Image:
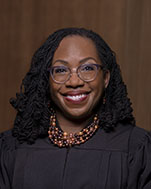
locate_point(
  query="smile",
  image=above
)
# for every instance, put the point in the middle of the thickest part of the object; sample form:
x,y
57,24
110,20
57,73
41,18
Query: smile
x,y
76,97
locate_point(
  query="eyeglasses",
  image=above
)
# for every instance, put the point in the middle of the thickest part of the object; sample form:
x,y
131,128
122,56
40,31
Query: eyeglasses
x,y
86,72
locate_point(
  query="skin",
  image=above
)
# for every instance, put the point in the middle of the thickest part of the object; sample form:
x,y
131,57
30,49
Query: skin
x,y
72,52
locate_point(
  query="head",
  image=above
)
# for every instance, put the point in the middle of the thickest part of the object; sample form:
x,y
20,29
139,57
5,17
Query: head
x,y
71,47
78,80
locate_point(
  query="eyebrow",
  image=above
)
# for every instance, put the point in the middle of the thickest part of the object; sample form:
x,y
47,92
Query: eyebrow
x,y
81,61
88,58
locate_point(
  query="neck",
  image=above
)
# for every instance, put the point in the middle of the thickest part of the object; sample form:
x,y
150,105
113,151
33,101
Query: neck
x,y
70,125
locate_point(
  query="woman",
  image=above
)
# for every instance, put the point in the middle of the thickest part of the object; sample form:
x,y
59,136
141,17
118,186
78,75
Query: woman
x,y
74,126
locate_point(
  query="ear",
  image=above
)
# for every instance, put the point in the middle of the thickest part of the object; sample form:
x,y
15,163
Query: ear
x,y
106,78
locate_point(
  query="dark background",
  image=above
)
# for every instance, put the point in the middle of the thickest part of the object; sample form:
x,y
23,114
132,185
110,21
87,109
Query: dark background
x,y
124,24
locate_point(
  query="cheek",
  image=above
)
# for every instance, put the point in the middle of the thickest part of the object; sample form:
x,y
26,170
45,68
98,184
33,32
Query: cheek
x,y
98,89
98,86
54,88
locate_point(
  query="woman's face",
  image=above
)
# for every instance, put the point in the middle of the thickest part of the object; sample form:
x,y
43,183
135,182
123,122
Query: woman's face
x,y
76,98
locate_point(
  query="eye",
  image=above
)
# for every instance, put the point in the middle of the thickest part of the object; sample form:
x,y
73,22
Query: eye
x,y
88,67
60,70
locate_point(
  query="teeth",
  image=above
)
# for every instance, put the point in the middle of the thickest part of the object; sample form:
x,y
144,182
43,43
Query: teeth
x,y
76,97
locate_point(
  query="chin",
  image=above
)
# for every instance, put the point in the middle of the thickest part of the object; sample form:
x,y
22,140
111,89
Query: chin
x,y
77,114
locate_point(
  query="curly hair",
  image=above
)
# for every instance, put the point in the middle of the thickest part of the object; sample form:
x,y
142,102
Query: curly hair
x,y
33,113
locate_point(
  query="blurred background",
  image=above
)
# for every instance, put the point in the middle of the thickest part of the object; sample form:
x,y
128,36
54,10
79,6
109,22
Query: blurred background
x,y
124,24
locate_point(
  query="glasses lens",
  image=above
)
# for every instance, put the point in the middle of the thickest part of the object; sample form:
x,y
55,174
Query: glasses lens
x,y
88,72
60,73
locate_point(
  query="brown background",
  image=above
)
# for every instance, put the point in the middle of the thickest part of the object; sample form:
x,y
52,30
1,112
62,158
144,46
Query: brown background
x,y
124,24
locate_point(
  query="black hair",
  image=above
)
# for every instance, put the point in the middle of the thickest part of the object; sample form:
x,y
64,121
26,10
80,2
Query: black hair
x,y
33,113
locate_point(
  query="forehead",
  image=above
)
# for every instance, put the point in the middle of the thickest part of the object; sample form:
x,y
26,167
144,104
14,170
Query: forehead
x,y
76,46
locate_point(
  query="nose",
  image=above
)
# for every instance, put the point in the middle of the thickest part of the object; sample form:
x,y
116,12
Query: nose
x,y
74,81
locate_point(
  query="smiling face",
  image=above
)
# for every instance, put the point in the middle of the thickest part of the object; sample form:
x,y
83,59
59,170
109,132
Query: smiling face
x,y
76,98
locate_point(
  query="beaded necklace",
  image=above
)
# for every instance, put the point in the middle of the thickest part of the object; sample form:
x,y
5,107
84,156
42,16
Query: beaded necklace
x,y
64,139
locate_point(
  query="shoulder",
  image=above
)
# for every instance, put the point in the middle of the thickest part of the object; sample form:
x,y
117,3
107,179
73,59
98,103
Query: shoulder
x,y
139,158
135,135
139,134
139,138
7,141
127,138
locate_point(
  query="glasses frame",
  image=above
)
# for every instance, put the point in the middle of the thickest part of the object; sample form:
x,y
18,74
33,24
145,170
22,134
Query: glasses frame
x,y
76,71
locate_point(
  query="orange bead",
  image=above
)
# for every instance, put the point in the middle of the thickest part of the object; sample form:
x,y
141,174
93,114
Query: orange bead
x,y
53,124
70,142
95,118
65,133
60,145
50,136
80,133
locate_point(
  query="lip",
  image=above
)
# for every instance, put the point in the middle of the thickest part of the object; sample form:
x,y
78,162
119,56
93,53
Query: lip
x,y
76,97
74,93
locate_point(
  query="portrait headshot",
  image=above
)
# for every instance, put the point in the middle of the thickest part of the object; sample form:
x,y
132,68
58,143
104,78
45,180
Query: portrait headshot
x,y
75,126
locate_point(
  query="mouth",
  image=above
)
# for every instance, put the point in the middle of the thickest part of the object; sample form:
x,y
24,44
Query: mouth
x,y
76,97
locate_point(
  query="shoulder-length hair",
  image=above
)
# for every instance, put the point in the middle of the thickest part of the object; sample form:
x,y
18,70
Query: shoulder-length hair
x,y
33,113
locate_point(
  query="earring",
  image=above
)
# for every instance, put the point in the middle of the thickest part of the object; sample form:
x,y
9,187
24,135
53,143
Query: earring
x,y
104,98
49,104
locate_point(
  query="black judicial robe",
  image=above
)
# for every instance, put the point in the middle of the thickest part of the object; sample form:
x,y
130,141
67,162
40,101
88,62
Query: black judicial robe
x,y
115,160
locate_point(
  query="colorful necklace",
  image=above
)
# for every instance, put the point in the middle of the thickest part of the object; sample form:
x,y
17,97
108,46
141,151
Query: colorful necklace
x,y
64,139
